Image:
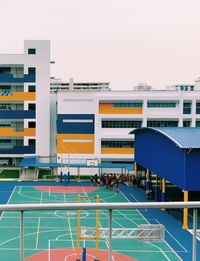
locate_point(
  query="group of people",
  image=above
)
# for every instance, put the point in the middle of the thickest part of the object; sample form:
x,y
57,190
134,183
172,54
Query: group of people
x,y
109,181
131,180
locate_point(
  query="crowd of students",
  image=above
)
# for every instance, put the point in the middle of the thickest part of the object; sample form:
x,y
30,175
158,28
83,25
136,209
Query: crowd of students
x,y
112,180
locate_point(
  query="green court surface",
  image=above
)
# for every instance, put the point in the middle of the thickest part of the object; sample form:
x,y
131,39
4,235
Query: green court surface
x,y
48,230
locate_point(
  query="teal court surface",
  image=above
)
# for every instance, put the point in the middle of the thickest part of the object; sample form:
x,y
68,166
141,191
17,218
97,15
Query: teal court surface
x,y
52,235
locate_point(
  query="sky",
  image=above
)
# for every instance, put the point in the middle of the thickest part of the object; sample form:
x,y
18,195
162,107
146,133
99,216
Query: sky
x,y
124,42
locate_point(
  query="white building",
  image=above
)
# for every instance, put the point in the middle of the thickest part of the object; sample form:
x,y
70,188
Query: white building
x,y
25,103
96,124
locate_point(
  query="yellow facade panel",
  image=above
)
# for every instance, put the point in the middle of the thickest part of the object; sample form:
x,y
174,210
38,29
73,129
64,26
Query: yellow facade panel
x,y
19,96
75,143
107,108
117,151
10,132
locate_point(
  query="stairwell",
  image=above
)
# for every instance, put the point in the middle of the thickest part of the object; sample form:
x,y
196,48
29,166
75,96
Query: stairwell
x,y
29,174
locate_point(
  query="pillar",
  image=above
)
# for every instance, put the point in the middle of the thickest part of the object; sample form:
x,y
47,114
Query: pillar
x,y
147,180
135,169
185,210
163,191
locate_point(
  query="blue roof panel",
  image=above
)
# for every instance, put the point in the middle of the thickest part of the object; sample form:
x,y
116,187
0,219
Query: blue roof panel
x,y
184,137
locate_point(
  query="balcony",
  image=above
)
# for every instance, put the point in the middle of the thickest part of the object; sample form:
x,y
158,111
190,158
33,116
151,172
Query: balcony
x,y
17,114
8,78
19,150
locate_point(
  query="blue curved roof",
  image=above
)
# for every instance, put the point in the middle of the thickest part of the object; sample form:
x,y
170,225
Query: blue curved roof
x,y
183,137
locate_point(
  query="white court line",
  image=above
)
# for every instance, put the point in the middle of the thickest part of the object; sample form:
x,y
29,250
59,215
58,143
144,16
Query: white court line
x,y
8,201
38,232
185,250
173,251
136,209
70,230
160,250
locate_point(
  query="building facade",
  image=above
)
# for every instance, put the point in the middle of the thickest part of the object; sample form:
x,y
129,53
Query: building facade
x,y
25,103
96,124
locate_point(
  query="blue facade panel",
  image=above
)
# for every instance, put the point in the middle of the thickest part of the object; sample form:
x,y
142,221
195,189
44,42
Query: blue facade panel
x,y
73,125
8,78
19,150
159,154
18,114
192,169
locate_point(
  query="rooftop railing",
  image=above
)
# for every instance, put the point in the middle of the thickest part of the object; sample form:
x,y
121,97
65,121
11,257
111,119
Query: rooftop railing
x,y
195,205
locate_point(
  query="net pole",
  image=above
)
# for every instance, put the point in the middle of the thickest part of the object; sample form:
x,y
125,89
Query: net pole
x,y
97,229
79,232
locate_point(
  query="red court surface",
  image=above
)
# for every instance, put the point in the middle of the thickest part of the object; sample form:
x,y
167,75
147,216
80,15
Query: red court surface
x,y
71,255
66,189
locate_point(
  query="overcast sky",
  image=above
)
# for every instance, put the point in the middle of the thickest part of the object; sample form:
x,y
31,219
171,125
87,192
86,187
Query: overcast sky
x,y
124,42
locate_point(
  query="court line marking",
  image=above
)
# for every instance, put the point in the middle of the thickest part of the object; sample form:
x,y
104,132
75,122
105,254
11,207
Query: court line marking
x,y
174,238
8,202
70,231
38,232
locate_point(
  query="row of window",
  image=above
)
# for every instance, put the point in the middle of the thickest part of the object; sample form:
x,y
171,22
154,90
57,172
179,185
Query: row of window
x,y
117,144
187,106
127,105
121,124
161,104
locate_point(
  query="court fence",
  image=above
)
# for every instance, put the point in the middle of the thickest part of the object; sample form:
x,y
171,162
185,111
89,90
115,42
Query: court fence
x,y
110,207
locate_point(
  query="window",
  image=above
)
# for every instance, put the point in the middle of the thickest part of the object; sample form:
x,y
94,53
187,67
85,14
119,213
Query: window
x,y
31,142
31,70
116,144
31,88
197,123
31,51
186,123
162,123
121,124
5,141
32,124
161,105
31,106
187,107
127,105
198,108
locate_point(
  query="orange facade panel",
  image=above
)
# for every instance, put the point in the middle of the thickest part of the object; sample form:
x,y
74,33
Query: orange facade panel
x,y
19,96
10,132
117,151
107,108
75,143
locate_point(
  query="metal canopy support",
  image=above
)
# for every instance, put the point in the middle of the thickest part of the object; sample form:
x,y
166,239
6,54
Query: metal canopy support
x,y
21,235
194,245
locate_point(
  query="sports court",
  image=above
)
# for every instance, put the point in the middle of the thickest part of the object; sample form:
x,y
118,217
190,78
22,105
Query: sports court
x,y
52,235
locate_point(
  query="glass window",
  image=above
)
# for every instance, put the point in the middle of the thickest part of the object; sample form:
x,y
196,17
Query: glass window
x,y
187,107
198,108
31,124
31,88
121,124
162,123
31,51
186,123
31,106
161,104
197,123
117,144
127,105
31,142
31,70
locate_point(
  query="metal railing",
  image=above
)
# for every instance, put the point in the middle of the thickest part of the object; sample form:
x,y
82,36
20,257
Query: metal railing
x,y
106,206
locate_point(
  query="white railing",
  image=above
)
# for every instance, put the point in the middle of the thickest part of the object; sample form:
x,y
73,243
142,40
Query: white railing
x,y
110,207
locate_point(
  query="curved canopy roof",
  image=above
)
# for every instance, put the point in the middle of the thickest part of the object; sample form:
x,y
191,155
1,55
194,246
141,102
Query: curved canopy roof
x,y
184,137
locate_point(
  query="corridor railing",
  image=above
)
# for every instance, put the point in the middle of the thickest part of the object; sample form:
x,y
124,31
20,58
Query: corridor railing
x,y
195,205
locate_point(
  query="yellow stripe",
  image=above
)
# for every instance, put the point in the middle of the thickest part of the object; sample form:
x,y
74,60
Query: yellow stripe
x,y
12,133
185,211
19,96
117,151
